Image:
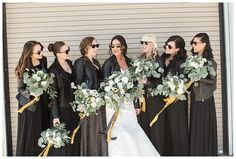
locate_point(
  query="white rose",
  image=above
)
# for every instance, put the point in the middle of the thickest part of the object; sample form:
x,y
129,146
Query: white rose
x,y
125,79
107,89
172,86
93,105
43,83
58,139
117,80
93,99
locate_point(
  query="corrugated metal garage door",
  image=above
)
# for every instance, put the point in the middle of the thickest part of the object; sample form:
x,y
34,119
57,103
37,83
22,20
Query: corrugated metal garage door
x,y
71,22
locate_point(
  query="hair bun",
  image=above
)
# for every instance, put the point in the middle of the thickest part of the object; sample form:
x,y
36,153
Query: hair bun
x,y
50,47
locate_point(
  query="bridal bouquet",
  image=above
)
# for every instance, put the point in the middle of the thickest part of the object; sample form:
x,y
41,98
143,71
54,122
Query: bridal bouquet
x,y
174,88
144,68
57,136
119,87
86,101
38,82
197,67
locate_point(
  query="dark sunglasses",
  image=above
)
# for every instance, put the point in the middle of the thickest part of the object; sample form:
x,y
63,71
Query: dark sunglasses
x,y
39,52
113,46
194,43
144,42
67,51
94,45
169,47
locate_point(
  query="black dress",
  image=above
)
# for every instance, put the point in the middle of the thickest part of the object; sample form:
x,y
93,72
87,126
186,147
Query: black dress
x,y
176,138
92,140
32,121
61,108
203,123
154,104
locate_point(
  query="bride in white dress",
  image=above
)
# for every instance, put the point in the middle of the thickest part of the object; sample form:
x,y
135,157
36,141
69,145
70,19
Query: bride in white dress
x,y
128,138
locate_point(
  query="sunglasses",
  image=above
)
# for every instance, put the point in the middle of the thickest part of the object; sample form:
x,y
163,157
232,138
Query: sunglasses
x,y
113,46
194,43
94,45
169,47
67,51
39,52
144,42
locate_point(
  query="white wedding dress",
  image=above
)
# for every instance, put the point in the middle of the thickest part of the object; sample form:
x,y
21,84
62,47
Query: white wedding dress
x,y
130,140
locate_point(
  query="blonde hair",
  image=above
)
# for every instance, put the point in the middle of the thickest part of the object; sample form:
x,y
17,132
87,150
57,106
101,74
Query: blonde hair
x,y
151,38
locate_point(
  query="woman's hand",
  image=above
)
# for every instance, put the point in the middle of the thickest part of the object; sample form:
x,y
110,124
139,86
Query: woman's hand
x,y
143,81
56,121
137,111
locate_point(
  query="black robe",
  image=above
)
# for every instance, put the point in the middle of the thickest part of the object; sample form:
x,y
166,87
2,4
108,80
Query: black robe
x,y
61,108
32,121
176,131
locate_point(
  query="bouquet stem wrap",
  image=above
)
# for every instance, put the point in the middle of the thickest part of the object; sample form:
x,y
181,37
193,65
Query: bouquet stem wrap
x,y
168,101
109,132
45,150
82,116
36,99
142,103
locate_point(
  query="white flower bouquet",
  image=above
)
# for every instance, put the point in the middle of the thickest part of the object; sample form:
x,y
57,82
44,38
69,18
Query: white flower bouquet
x,y
197,67
174,88
86,101
144,68
37,82
119,87
57,136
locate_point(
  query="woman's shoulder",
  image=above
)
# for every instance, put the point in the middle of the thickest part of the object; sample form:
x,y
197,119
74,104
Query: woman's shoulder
x,y
80,60
109,60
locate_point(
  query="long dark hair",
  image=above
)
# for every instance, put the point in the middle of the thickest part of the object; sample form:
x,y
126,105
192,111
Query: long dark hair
x,y
122,41
180,44
25,60
207,52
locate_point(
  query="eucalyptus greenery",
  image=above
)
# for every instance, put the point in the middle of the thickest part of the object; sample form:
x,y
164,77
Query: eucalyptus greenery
x,y
172,86
197,67
56,136
118,88
38,82
86,101
142,68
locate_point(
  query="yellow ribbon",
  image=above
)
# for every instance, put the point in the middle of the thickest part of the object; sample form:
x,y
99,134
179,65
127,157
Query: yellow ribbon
x,y
36,99
142,104
77,128
168,101
109,132
45,150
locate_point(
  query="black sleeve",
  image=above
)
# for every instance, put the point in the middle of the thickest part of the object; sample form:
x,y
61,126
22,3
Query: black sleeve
x,y
21,87
210,80
54,101
79,71
106,68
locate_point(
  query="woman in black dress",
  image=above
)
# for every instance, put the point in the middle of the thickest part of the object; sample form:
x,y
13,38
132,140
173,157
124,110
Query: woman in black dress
x,y
203,127
88,70
154,104
61,109
176,138
33,120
